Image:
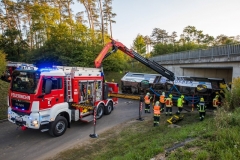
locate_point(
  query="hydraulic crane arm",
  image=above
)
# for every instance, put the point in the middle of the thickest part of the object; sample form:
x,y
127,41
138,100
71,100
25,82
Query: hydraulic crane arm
x,y
118,45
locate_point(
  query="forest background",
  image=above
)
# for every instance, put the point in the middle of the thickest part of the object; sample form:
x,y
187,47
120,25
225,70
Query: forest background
x,y
47,32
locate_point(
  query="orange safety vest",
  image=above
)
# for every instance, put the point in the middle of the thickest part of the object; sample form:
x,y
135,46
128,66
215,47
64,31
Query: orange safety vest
x,y
147,100
162,99
169,102
215,102
157,110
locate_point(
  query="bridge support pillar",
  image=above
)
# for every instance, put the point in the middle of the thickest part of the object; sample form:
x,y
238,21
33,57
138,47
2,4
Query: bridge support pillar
x,y
236,72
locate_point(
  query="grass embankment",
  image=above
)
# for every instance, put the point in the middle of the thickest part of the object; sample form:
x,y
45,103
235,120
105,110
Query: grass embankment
x,y
215,138
4,86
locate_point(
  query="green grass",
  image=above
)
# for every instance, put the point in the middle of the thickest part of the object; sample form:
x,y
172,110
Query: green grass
x,y
4,86
138,140
141,141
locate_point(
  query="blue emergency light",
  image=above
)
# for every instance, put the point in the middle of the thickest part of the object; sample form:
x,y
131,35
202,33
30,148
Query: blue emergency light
x,y
47,69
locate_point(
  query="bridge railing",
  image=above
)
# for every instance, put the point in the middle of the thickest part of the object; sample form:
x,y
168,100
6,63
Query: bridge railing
x,y
212,52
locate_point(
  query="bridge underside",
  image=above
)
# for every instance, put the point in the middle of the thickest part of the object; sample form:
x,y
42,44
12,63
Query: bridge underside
x,y
210,72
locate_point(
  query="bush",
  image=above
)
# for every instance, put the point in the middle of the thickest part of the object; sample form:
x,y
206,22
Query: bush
x,y
232,97
2,62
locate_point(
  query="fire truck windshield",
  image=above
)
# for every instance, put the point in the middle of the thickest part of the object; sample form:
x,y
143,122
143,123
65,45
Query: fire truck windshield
x,y
24,81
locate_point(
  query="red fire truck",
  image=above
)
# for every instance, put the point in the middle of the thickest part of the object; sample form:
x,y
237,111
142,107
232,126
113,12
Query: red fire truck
x,y
50,98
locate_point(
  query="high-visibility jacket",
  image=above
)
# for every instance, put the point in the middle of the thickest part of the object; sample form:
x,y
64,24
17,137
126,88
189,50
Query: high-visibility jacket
x,y
162,99
157,110
180,102
216,102
169,102
201,107
147,100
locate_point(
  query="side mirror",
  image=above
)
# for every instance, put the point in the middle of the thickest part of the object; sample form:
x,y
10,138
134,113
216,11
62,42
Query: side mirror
x,y
48,86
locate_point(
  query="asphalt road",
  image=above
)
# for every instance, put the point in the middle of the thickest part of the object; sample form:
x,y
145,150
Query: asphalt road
x,y
33,144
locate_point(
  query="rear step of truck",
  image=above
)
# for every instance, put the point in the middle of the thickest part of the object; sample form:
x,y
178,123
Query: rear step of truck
x,y
87,118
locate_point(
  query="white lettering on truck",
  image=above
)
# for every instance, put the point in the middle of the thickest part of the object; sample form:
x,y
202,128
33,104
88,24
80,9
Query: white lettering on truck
x,y
14,95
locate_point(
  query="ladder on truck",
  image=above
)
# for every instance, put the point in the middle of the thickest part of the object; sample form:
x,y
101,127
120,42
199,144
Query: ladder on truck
x,y
17,64
68,79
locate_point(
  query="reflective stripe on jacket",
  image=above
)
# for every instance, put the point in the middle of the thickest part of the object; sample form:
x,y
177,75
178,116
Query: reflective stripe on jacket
x,y
201,107
169,102
162,99
147,100
156,110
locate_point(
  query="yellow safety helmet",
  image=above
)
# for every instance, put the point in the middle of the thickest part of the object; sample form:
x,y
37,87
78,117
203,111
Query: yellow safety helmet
x,y
182,96
170,95
201,99
217,96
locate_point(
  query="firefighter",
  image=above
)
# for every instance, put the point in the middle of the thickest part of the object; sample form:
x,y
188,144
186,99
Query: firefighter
x,y
156,114
216,102
201,109
180,102
162,100
147,99
169,104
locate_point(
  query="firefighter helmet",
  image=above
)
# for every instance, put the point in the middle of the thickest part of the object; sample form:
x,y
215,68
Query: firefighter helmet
x,y
157,103
182,96
170,95
148,93
201,99
217,96
163,93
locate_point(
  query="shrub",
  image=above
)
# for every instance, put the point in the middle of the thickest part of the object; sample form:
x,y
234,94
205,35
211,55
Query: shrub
x,y
232,97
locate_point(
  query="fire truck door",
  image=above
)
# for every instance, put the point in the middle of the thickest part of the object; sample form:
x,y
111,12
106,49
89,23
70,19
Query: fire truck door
x,y
56,95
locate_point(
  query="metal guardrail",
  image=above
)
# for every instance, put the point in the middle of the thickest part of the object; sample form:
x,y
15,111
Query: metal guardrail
x,y
212,52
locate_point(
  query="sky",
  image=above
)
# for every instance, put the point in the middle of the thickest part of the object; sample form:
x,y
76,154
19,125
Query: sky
x,y
213,17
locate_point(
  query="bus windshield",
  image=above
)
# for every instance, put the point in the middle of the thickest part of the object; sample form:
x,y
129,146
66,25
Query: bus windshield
x,y
24,81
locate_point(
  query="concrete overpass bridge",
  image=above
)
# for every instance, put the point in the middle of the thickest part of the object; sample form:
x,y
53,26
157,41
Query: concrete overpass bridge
x,y
214,62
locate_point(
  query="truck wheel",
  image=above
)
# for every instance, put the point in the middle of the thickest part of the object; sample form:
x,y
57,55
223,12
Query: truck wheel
x,y
58,127
108,109
100,111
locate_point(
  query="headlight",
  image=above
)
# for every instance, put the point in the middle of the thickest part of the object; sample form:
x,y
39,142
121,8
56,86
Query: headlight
x,y
35,122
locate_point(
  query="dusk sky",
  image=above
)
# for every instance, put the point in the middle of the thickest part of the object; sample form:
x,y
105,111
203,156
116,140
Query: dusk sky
x,y
213,17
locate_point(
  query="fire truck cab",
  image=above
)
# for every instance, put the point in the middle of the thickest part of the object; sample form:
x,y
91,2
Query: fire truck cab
x,y
50,98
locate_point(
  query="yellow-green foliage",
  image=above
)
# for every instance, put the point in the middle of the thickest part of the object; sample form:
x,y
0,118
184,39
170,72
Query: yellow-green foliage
x,y
2,62
232,97
4,86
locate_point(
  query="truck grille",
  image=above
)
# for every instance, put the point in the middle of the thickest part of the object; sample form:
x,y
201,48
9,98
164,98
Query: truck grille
x,y
19,104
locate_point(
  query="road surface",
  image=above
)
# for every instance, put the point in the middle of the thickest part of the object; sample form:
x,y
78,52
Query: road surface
x,y
33,144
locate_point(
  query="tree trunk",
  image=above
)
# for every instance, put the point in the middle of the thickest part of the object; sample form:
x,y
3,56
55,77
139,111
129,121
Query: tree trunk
x,y
102,22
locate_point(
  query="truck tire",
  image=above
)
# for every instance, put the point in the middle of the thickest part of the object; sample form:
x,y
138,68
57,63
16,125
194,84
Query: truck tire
x,y
100,111
58,127
108,108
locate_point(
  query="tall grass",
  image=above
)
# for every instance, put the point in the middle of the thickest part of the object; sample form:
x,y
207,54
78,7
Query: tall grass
x,y
232,97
